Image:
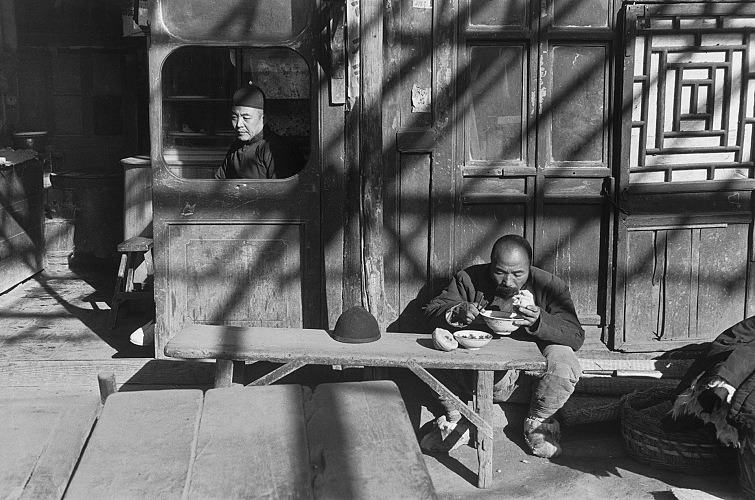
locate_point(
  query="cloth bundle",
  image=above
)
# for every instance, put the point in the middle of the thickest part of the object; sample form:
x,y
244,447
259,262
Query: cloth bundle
x,y
719,387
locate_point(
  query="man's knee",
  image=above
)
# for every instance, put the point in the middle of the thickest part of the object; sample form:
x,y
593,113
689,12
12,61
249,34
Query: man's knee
x,y
562,362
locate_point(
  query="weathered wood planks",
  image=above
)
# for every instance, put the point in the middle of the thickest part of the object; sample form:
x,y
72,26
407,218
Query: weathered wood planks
x,y
40,443
252,444
353,440
362,444
141,447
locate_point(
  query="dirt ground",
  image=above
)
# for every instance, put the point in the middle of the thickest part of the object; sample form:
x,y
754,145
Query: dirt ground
x,y
593,466
54,341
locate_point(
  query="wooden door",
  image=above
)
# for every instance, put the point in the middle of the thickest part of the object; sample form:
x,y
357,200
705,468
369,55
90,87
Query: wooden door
x,y
684,251
534,141
234,252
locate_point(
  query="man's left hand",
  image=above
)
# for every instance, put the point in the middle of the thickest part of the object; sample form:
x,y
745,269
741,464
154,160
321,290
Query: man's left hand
x,y
530,315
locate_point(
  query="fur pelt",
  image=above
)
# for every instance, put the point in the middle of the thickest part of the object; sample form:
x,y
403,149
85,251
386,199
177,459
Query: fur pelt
x,y
687,403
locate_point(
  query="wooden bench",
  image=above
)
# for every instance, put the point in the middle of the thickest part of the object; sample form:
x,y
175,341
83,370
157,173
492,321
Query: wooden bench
x,y
128,284
254,442
297,347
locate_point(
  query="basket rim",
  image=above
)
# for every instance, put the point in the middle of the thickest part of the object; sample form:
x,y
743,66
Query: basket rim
x,y
690,452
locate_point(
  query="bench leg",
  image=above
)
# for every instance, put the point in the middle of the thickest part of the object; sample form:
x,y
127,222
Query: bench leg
x,y
116,303
484,404
483,426
228,372
223,373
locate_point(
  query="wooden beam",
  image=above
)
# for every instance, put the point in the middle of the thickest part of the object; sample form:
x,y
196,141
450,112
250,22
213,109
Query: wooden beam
x,y
484,428
280,372
371,157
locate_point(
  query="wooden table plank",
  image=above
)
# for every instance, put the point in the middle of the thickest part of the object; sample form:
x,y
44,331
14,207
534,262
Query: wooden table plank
x,y
252,444
40,443
362,444
283,345
136,444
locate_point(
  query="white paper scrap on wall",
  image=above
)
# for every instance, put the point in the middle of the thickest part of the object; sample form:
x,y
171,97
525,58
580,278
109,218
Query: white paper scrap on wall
x,y
421,99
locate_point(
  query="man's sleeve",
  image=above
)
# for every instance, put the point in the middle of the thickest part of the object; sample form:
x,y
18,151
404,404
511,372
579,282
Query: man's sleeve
x,y
459,290
558,318
220,172
740,340
282,159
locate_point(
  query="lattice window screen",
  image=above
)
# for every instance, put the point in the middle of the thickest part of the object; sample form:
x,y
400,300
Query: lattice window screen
x,y
694,99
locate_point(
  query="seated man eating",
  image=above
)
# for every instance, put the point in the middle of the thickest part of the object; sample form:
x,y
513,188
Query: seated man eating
x,y
547,314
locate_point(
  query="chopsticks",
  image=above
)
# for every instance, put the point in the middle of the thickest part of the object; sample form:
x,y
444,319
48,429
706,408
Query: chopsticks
x,y
479,301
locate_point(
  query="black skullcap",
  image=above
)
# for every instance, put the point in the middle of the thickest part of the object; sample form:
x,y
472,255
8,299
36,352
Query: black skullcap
x,y
250,96
356,326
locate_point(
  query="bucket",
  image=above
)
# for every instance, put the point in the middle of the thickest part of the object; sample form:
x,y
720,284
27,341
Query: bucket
x,y
98,200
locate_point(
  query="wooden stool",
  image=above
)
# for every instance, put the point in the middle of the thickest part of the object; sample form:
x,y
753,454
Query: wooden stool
x,y
132,249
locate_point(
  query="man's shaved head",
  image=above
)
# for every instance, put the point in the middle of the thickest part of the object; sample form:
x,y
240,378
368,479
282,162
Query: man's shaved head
x,y
511,243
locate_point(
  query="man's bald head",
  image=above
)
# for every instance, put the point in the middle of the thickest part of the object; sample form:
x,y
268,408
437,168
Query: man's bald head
x,y
511,244
510,262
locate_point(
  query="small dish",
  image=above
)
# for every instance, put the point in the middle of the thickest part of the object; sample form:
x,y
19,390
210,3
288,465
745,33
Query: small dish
x,y
472,339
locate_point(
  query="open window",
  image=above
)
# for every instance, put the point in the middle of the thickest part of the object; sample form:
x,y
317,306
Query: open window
x,y
198,85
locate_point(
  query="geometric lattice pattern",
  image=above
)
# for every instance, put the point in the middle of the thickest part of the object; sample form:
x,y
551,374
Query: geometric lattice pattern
x,y
694,99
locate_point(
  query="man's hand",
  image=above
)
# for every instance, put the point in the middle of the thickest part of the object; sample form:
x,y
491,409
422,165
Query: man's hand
x,y
465,313
530,315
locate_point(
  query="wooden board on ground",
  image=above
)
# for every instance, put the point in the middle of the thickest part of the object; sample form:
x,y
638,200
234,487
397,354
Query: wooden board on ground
x,y
83,373
141,446
40,443
265,455
347,419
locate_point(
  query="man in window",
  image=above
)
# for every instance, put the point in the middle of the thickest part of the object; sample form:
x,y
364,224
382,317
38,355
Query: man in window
x,y
257,152
546,312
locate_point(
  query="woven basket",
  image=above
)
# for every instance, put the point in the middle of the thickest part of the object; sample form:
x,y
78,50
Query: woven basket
x,y
694,452
581,409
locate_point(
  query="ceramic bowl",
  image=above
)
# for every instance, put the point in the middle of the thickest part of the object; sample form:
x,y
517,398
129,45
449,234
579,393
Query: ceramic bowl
x,y
501,323
472,339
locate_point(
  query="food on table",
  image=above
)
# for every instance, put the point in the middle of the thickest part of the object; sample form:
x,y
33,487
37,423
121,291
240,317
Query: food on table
x,y
474,335
524,298
472,339
443,340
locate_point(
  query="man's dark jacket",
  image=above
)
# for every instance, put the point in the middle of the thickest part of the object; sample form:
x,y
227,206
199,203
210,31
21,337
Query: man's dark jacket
x,y
731,356
558,322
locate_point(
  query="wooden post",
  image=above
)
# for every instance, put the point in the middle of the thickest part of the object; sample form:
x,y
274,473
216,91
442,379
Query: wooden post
x,y
107,385
352,240
484,403
371,157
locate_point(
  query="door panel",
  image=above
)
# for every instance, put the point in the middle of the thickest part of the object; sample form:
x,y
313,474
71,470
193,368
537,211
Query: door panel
x,y
683,267
683,284
236,274
569,245
480,223
497,123
579,104
536,113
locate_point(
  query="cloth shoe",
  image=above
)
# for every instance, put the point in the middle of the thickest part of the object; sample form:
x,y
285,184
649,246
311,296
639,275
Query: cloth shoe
x,y
446,436
542,436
